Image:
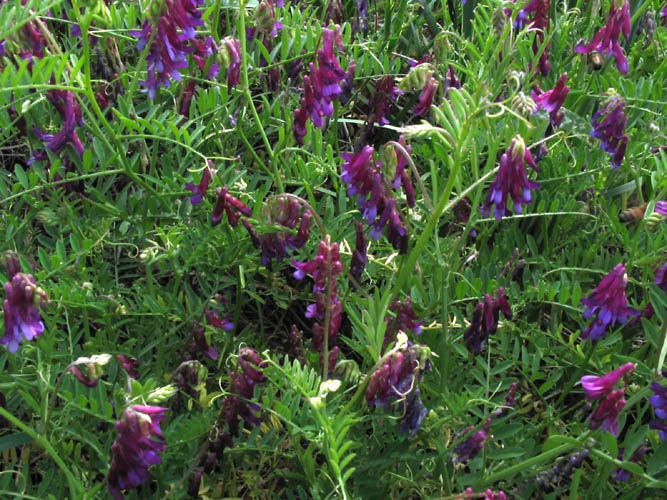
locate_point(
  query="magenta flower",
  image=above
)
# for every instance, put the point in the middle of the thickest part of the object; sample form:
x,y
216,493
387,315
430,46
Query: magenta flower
x,y
596,387
488,494
68,107
552,100
230,57
359,256
469,448
426,97
607,304
21,307
659,403
233,207
661,207
130,365
213,316
609,126
620,474
540,24
200,190
380,102
138,441
512,180
88,370
198,343
606,414
606,39
660,277
485,320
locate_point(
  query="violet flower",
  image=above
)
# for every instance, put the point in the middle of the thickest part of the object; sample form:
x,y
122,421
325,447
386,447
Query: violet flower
x,y
426,97
659,403
168,51
130,365
485,320
539,24
510,402
621,474
281,212
200,190
609,126
606,39
404,321
295,344
21,307
606,414
394,384
359,256
70,110
380,101
607,304
469,448
552,100
138,441
233,207
512,180
229,55
660,277
596,387
198,343
213,316
661,207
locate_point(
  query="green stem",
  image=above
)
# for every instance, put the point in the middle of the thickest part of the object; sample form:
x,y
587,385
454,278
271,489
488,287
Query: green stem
x,y
75,487
577,376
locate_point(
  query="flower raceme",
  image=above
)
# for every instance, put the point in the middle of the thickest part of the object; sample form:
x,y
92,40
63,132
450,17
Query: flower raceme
x,y
659,403
605,40
485,320
512,181
230,205
606,414
597,387
607,304
540,24
469,448
138,441
609,126
552,100
21,308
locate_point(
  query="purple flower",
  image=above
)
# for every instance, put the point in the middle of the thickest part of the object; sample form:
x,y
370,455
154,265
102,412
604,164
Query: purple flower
x,y
540,24
92,369
233,207
552,100
606,414
295,344
426,97
70,110
596,387
229,56
659,403
138,441
485,320
607,304
488,494
660,277
21,307
405,317
606,39
512,180
281,212
510,402
213,315
168,51
198,342
130,365
394,385
661,207
620,474
359,257
609,126
469,448
380,102
200,190
378,205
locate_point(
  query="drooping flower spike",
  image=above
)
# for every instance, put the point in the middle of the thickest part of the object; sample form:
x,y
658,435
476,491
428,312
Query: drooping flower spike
x,y
552,100
539,9
607,304
606,414
609,126
485,320
512,181
606,39
21,307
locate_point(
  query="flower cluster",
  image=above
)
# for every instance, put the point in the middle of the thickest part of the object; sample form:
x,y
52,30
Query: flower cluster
x,y
21,308
485,320
169,49
198,343
380,101
324,268
70,110
322,87
130,365
540,24
395,383
405,320
235,407
421,77
659,403
609,126
488,494
230,205
283,213
469,448
606,414
560,472
138,441
199,191
512,180
552,100
605,40
365,178
607,304
229,56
